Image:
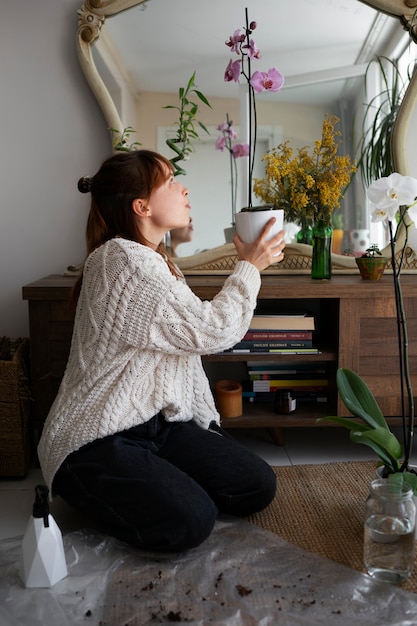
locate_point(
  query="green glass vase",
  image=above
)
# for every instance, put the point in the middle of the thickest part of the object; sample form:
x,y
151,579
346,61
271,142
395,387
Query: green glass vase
x,y
321,266
305,235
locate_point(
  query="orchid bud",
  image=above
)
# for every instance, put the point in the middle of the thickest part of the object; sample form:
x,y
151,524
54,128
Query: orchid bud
x,y
252,25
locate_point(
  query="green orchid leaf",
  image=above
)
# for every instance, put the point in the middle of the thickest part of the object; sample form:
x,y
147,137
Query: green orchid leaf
x,y
359,399
383,443
346,422
396,481
409,478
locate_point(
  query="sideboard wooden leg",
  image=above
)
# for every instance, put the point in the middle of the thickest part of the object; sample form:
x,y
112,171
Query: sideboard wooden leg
x,y
277,435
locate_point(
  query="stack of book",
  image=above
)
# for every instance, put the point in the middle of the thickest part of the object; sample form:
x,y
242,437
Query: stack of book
x,y
284,334
307,382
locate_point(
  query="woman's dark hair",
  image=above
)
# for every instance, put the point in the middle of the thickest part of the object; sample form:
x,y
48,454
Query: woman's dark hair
x,y
120,179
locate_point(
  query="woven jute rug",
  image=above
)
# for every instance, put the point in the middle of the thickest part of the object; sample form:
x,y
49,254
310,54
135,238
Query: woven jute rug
x,y
321,508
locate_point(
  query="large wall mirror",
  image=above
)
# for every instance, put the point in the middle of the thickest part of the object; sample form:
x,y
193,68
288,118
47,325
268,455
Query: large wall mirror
x,y
106,28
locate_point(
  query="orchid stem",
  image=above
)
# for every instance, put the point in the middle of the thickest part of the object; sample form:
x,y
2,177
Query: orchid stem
x,y
408,428
251,103
234,187
233,170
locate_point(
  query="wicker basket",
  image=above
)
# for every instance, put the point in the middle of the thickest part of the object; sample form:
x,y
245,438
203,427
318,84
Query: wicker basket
x,y
15,444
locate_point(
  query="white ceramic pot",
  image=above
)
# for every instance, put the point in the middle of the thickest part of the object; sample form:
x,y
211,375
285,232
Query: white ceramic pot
x,y
249,224
229,233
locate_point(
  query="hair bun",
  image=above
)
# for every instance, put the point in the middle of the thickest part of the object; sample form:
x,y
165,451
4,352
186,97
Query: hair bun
x,y
84,184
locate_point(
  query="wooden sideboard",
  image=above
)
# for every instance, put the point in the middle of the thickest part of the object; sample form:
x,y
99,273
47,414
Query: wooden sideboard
x,y
355,322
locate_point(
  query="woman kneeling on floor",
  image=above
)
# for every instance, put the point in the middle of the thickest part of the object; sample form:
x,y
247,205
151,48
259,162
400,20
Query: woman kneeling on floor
x,y
133,438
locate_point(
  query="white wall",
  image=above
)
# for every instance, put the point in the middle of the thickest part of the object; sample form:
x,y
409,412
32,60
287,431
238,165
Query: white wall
x,y
52,133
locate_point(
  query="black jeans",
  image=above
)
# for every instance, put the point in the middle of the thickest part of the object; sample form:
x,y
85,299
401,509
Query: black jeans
x,y
160,485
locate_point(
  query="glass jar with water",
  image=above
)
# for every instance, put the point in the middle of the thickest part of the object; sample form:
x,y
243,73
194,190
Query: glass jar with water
x,y
389,537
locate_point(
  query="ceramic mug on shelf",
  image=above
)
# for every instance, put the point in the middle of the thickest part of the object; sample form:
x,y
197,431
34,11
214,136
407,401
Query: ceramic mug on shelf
x,y
359,240
228,395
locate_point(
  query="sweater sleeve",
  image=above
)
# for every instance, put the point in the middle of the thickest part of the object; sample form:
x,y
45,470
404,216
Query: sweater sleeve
x,y
180,322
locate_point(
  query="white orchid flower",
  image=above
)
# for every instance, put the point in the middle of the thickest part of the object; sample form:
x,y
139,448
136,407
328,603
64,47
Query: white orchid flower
x,y
389,193
379,215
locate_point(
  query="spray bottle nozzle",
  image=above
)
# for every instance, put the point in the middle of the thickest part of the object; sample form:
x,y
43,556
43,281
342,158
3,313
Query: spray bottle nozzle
x,y
41,505
42,562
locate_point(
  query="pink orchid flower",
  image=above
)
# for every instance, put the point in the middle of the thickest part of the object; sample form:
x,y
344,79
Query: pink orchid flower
x,y
235,41
233,71
240,150
272,80
244,46
227,129
220,143
253,51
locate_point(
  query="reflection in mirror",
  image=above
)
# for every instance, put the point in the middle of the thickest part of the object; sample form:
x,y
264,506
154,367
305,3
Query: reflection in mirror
x,y
179,237
131,99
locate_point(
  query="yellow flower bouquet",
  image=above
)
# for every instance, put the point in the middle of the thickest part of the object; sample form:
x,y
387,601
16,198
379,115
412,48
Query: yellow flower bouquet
x,y
308,186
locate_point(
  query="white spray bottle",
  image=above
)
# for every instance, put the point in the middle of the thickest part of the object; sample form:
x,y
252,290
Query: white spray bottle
x,y
42,562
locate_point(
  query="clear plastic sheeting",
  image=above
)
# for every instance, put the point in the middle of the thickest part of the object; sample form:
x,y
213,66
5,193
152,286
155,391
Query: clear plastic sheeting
x,y
242,575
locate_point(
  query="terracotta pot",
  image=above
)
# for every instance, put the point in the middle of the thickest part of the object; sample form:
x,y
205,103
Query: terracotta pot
x,y
371,268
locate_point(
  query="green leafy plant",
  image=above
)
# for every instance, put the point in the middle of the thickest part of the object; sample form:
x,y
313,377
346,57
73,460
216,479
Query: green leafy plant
x,y
121,139
371,428
186,124
372,251
337,221
375,153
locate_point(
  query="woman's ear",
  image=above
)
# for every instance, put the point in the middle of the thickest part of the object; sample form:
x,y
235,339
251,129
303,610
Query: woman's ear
x,y
140,207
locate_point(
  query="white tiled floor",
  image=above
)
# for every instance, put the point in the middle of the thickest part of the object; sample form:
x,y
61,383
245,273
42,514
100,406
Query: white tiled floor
x,y
310,445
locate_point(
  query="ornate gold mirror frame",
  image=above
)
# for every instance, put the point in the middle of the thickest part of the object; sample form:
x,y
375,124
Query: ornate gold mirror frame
x,y
91,17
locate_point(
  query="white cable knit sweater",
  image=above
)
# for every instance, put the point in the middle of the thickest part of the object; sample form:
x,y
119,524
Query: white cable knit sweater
x,y
139,334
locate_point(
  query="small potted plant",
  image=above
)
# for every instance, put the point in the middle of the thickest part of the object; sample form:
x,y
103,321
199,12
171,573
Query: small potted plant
x,y
371,264
250,220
